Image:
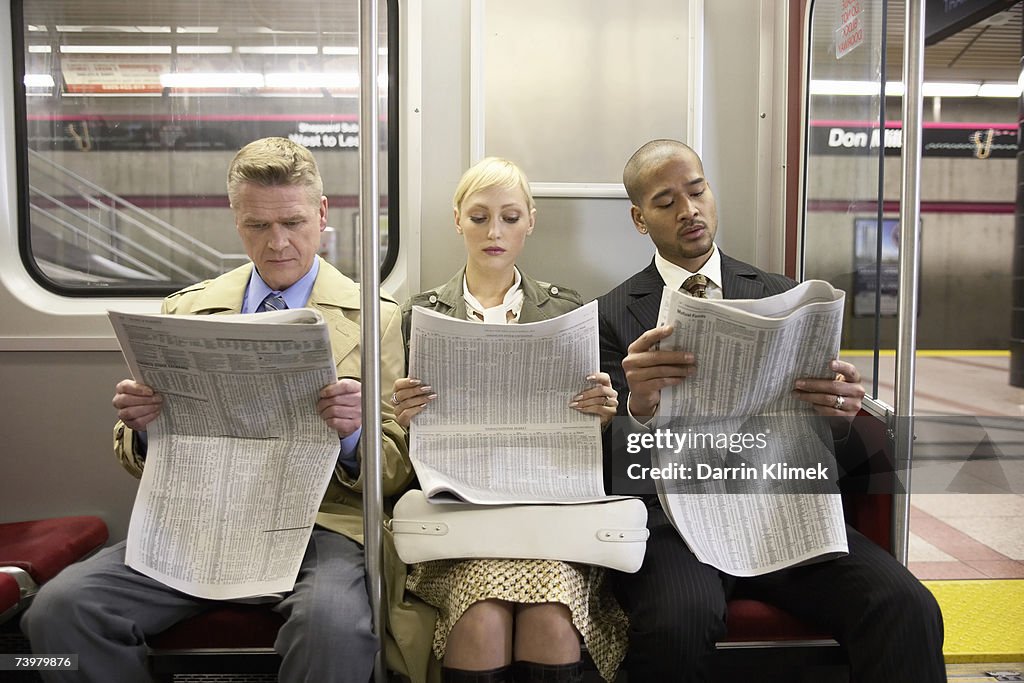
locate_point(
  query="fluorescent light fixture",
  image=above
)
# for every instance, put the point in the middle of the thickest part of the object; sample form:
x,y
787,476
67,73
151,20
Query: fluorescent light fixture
x,y
346,50
38,81
309,79
999,90
111,94
278,50
263,30
950,89
71,28
36,27
116,49
204,49
826,87
212,80
936,89
196,29
39,49
894,89
307,94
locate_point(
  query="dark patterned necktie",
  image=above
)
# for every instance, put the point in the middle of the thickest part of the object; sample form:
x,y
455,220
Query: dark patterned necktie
x,y
273,302
696,286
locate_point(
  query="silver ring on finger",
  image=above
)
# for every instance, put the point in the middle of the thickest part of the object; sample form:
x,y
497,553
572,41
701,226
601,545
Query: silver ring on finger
x,y
394,399
838,405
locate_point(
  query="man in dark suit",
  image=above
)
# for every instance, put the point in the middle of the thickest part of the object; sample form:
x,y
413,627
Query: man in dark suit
x,y
889,624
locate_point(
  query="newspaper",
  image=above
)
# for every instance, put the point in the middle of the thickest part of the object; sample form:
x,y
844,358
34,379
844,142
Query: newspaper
x,y
239,459
751,473
501,430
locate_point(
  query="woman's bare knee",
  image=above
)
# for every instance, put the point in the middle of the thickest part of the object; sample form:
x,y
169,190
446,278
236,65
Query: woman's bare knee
x,y
482,637
545,634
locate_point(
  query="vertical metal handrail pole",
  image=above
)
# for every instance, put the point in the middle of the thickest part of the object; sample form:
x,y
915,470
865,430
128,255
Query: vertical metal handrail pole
x,y
369,213
906,313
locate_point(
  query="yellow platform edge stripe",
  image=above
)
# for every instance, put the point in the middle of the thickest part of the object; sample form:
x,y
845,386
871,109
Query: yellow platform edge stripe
x,y
984,619
931,353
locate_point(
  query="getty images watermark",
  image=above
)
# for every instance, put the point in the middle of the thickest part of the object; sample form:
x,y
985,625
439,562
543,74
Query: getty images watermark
x,y
671,441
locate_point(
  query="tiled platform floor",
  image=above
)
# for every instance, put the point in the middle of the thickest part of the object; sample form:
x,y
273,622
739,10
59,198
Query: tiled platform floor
x,y
980,533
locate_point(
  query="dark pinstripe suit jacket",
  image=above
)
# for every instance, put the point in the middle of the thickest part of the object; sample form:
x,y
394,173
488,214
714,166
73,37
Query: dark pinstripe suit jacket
x,y
631,309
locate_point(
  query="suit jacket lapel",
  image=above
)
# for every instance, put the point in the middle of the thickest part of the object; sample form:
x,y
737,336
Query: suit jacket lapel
x,y
739,281
645,296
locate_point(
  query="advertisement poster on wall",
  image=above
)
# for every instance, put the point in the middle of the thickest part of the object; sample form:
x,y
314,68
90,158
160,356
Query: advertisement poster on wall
x,y
872,273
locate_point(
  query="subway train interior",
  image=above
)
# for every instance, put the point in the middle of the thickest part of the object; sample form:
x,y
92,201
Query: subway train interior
x,y
118,121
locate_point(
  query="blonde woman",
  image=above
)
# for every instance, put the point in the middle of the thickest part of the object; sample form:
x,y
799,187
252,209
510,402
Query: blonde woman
x,y
510,620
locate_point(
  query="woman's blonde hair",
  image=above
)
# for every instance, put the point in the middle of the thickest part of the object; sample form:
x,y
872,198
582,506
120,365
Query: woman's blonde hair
x,y
492,172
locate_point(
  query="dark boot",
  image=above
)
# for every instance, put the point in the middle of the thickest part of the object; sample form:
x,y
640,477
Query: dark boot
x,y
531,672
503,674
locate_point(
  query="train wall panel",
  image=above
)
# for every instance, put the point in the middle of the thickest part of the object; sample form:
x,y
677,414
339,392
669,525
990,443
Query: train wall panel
x,y
57,421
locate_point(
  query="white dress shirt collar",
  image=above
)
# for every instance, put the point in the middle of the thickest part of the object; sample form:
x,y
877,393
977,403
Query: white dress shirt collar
x,y
674,276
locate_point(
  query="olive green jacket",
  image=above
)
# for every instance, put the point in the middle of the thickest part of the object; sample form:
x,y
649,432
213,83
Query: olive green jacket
x,y
541,301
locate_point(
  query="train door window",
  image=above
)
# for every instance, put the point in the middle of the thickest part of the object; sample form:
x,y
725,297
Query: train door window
x,y
968,474
845,175
966,413
132,112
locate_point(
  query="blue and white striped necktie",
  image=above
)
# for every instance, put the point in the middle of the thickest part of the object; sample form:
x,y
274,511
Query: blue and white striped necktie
x,y
273,302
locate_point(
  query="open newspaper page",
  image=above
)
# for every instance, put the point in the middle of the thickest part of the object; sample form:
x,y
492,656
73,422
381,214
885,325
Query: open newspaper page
x,y
748,472
501,430
239,459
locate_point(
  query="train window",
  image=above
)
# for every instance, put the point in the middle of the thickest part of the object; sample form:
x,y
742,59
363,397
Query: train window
x,y
844,176
131,113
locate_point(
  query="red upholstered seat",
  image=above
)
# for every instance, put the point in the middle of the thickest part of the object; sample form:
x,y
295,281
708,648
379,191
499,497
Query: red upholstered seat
x,y
44,547
753,620
226,626
10,593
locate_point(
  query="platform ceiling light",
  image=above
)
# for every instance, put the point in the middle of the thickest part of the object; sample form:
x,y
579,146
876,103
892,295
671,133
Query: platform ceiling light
x,y
70,28
928,89
827,87
278,50
204,49
196,29
266,30
346,50
38,81
894,89
116,49
307,79
941,89
212,80
999,90
39,49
